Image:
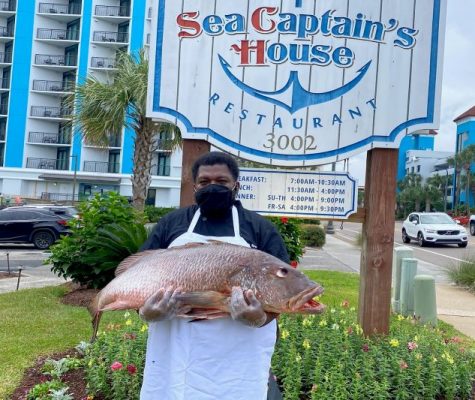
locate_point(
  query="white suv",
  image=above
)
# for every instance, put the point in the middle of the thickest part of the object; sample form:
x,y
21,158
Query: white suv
x,y
436,228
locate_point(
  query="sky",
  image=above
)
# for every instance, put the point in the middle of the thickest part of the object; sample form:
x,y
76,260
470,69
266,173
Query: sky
x,y
458,82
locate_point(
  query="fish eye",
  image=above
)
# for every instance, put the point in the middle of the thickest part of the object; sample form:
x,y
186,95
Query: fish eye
x,y
282,272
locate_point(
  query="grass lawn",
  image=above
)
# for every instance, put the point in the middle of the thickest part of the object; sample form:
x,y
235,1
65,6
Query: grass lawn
x,y
34,322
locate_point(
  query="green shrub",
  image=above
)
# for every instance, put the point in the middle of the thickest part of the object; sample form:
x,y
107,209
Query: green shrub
x,y
464,274
313,235
153,214
317,357
71,255
289,229
42,391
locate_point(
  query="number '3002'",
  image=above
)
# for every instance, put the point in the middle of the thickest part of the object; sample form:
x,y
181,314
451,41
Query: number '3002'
x,y
283,142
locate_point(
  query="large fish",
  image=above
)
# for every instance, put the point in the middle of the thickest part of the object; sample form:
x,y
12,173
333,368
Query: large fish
x,y
206,273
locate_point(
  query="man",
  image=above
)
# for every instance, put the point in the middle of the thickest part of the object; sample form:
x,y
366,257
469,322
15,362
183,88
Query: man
x,y
219,359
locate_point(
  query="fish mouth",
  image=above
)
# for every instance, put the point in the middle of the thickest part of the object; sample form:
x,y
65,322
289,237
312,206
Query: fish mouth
x,y
303,303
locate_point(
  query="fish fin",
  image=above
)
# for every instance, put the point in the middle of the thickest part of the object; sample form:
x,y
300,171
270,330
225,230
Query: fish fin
x,y
130,261
208,299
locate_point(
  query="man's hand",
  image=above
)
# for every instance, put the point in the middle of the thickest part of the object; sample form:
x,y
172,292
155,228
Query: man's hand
x,y
163,305
245,307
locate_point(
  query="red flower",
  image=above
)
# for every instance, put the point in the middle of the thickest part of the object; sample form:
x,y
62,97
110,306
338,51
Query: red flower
x,y
116,365
284,220
294,264
345,303
403,365
130,336
365,348
132,369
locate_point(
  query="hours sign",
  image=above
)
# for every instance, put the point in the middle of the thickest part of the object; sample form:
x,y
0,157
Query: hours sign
x,y
299,82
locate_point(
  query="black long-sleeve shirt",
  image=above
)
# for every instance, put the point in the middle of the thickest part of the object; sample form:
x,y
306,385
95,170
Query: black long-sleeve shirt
x,y
260,233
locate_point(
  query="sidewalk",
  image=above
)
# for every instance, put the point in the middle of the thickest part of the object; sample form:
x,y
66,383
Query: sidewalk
x,y
454,305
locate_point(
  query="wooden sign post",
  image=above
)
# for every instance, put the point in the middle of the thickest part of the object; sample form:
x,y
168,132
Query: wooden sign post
x,y
192,150
378,241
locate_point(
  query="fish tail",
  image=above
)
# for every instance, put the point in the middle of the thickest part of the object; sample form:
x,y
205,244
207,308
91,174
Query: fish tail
x,y
93,309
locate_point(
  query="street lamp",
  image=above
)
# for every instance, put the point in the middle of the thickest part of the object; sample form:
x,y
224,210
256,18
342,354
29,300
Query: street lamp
x,y
74,176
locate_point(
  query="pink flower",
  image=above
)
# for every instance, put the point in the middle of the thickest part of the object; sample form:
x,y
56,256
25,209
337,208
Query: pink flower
x,y
349,330
412,346
284,220
294,264
365,348
403,365
116,365
132,369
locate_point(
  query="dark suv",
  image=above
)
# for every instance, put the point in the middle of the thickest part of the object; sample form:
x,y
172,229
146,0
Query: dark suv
x,y
38,226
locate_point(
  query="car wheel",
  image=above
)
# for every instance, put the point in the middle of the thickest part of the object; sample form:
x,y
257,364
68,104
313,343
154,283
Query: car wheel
x,y
43,239
463,244
405,238
420,239
472,228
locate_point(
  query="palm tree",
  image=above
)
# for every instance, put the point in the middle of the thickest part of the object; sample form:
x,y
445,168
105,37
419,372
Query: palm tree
x,y
411,193
437,186
456,163
103,109
468,156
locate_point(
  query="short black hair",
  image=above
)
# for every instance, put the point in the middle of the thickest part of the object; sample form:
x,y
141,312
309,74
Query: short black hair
x,y
213,158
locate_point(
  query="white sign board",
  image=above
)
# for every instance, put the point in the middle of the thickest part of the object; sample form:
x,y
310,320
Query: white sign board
x,y
332,195
298,82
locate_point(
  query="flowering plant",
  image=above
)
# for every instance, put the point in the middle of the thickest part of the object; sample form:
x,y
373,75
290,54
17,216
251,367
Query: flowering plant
x,y
289,229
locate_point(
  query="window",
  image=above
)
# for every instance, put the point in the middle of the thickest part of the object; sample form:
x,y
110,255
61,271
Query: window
x,y
412,170
461,138
163,168
2,152
418,168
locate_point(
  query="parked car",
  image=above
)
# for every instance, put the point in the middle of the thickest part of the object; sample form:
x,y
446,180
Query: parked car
x,y
472,225
69,211
434,227
41,227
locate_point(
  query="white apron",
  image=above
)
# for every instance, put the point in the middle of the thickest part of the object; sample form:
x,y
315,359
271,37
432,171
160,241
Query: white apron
x,y
218,359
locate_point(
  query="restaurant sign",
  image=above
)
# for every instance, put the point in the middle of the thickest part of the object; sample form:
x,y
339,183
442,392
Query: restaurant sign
x,y
298,82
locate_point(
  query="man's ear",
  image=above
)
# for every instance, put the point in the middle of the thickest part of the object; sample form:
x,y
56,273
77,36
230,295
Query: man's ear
x,y
238,186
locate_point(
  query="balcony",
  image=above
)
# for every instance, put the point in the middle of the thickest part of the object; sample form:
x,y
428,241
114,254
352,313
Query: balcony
x,y
112,14
49,138
53,87
53,8
4,85
7,8
50,112
100,166
111,39
103,63
5,58
47,163
63,36
60,63
5,34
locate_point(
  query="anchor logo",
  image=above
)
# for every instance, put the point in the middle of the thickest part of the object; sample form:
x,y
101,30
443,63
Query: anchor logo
x,y
301,98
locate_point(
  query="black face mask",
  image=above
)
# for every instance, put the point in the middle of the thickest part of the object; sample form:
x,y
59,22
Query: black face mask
x,y
214,200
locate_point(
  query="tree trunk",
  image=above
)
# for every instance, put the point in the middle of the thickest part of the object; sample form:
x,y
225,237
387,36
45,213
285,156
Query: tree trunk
x,y
468,191
143,153
427,205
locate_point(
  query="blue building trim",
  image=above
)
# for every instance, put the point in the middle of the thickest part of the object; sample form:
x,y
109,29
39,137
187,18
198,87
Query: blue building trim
x,y
412,142
19,88
136,42
467,127
83,54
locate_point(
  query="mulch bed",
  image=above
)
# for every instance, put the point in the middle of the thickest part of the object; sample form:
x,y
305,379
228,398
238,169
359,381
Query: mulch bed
x,y
79,297
6,275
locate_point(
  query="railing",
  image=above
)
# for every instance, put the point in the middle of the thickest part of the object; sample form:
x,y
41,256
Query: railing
x,y
6,6
50,112
46,137
47,163
4,83
103,62
3,109
53,86
99,166
53,8
5,32
112,11
58,196
57,34
5,57
103,36
46,59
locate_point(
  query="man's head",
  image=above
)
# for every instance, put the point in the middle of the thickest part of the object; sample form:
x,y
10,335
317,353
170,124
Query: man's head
x,y
215,176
